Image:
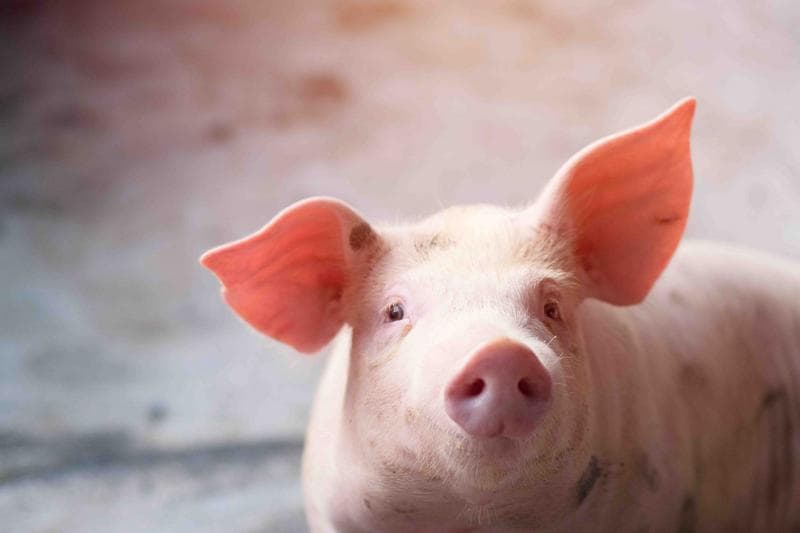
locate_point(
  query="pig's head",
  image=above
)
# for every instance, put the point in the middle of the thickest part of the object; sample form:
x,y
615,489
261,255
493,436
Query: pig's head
x,y
467,371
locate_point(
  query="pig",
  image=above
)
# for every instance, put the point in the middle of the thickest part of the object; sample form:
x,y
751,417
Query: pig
x,y
565,366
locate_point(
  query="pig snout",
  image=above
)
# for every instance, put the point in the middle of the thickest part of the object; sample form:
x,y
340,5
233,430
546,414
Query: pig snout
x,y
501,390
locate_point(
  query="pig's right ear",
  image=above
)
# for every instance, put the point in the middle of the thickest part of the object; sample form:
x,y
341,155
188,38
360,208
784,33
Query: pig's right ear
x,y
287,279
623,203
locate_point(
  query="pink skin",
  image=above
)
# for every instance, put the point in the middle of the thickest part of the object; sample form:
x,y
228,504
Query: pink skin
x,y
502,390
522,370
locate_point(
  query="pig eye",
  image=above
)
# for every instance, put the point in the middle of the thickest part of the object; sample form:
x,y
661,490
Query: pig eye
x,y
395,312
552,311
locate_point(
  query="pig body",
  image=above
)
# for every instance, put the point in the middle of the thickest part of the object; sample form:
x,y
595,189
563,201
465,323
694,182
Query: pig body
x,y
539,369
692,421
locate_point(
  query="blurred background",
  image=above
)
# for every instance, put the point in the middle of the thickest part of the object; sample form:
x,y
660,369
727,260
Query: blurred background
x,y
135,135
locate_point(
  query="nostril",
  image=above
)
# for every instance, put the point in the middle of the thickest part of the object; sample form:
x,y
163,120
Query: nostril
x,y
501,390
526,388
475,388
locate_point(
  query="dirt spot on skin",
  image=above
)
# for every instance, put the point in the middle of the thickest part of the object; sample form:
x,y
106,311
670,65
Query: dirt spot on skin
x,y
404,509
361,16
693,378
367,504
425,245
775,413
687,523
577,435
361,236
648,472
588,479
677,298
771,398
390,468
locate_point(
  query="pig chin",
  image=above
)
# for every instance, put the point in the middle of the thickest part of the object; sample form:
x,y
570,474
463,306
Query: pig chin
x,y
475,468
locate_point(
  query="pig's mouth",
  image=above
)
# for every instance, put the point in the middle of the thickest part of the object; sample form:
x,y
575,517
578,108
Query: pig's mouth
x,y
481,466
473,454
483,447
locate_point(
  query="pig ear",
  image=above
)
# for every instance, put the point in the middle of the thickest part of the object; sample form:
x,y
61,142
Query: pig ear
x,y
287,279
623,201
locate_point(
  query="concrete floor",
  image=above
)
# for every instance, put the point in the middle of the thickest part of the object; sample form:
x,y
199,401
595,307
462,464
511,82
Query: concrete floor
x,y
135,135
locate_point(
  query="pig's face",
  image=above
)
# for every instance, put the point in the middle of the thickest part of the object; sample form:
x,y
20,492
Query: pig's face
x,y
464,361
467,380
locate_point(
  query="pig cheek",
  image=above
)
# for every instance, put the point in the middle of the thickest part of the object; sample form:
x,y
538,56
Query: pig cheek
x,y
378,391
428,373
412,409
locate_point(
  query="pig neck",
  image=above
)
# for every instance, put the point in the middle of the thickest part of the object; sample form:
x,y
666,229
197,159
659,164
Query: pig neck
x,y
642,452
699,392
614,368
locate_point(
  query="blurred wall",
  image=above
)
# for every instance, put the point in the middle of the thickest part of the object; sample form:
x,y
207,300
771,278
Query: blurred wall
x,y
135,135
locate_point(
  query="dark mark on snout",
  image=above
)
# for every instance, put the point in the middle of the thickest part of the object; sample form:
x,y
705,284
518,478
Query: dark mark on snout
x,y
361,236
588,479
688,518
367,504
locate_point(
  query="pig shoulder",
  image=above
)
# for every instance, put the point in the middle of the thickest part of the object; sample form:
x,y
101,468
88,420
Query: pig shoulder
x,y
703,378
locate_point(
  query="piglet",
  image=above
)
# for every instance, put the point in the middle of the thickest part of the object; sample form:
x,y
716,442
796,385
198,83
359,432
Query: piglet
x,y
538,369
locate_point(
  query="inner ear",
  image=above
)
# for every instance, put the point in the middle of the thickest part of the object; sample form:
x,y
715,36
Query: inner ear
x,y
622,203
288,279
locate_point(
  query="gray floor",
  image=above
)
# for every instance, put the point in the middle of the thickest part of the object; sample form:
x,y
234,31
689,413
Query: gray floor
x,y
136,135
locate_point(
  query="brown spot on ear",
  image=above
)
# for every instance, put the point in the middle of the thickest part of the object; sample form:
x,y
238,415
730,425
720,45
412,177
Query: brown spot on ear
x,y
667,220
361,236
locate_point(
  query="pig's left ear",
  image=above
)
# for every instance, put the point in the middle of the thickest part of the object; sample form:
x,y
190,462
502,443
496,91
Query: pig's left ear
x,y
287,279
623,203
